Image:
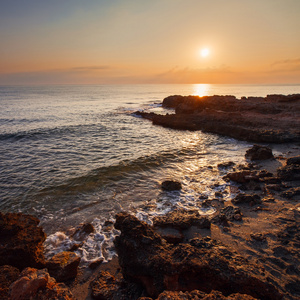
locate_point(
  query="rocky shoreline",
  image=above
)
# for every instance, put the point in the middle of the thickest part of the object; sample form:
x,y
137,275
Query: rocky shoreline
x,y
248,249
270,119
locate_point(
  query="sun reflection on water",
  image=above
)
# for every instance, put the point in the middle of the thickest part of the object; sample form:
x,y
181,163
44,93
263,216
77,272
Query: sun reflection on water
x,y
201,89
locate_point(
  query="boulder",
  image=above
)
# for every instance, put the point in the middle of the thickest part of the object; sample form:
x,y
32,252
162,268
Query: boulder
x,y
63,266
259,153
36,284
21,241
171,185
203,264
8,275
291,171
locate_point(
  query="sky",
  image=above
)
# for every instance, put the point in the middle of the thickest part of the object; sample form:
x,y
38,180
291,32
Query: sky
x,y
157,41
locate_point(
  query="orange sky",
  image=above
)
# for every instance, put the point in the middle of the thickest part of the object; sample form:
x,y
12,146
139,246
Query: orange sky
x,y
158,41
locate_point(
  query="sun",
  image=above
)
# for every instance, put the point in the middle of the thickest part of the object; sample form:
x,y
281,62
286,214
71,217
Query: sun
x,y
204,52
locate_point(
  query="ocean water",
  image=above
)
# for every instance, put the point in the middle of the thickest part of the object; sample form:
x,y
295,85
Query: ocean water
x,y
77,154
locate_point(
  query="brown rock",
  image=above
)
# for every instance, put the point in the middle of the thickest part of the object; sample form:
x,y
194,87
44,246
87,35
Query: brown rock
x,y
21,241
36,284
259,153
63,266
202,264
8,275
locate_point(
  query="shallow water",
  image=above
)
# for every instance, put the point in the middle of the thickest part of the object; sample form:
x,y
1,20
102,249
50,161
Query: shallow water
x,y
73,154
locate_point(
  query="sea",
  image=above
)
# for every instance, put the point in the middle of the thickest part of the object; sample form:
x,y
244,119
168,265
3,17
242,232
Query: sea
x,y
77,154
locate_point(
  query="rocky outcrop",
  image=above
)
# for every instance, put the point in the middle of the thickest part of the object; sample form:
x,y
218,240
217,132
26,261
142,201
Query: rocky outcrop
x,y
203,264
21,241
8,275
291,171
63,266
273,119
38,285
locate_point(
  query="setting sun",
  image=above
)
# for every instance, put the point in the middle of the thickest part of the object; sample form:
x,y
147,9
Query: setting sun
x,y
204,52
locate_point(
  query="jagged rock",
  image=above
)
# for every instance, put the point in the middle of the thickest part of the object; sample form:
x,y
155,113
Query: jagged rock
x,y
82,231
242,176
21,241
245,198
259,153
182,219
8,275
171,185
293,160
63,266
202,264
36,284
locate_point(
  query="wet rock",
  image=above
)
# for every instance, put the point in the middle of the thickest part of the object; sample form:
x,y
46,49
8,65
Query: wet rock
x,y
82,231
197,295
63,266
94,264
8,275
226,165
38,285
21,241
171,185
182,219
242,176
293,160
203,264
246,198
259,153
228,213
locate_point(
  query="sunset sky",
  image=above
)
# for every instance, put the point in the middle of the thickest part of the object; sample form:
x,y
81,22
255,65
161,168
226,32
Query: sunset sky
x,y
157,41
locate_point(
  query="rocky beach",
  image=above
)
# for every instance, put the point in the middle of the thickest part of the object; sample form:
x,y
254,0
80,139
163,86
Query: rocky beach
x,y
247,249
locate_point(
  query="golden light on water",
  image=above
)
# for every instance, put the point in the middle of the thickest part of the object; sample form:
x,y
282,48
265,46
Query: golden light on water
x,y
201,89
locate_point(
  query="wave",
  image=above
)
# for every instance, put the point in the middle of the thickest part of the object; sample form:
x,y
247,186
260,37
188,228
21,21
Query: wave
x,y
126,169
47,132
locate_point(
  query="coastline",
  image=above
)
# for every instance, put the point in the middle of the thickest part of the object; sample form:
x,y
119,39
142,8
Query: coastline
x,y
264,233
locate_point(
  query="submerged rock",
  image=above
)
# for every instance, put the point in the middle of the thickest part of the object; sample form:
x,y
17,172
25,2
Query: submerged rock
x,y
259,153
21,241
202,264
171,185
